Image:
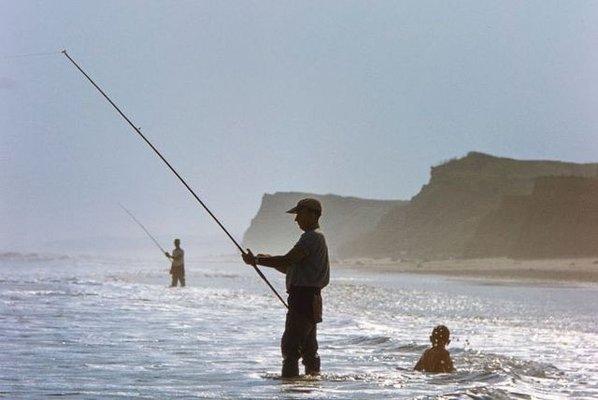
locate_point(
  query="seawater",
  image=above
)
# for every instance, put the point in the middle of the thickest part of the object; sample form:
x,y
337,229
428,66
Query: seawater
x,y
113,329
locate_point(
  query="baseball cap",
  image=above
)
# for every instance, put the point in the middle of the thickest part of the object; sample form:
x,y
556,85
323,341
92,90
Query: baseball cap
x,y
309,203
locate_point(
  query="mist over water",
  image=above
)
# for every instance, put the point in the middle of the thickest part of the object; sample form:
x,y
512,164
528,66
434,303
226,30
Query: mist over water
x,y
90,329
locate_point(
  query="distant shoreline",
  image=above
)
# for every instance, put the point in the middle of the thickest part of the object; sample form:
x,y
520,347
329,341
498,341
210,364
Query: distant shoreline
x,y
495,269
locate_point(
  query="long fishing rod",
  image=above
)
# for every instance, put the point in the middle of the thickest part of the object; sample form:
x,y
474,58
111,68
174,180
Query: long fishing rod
x,y
143,227
174,172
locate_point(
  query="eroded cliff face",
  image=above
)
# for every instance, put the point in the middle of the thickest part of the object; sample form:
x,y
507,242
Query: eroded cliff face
x,y
446,217
562,219
558,219
343,220
475,206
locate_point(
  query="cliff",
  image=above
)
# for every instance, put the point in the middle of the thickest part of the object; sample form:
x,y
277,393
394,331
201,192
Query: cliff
x,y
343,220
447,216
558,219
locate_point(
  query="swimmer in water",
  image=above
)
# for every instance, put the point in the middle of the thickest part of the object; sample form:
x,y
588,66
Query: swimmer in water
x,y
437,357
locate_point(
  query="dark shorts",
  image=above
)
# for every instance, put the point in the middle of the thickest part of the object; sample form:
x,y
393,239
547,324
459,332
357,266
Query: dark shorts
x,y
179,270
306,301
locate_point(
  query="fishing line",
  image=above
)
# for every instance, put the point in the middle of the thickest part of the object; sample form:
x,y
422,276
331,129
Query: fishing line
x,y
142,227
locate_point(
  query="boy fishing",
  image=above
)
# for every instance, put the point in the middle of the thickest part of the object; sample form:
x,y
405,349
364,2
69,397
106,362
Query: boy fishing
x,y
307,271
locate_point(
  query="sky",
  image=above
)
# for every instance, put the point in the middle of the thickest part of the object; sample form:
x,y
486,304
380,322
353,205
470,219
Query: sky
x,y
246,98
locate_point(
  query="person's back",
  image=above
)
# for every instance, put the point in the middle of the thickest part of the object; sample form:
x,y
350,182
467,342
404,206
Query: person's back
x,y
436,358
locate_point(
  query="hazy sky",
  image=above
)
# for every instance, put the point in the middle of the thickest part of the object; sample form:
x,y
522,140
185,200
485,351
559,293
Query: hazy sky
x,y
353,98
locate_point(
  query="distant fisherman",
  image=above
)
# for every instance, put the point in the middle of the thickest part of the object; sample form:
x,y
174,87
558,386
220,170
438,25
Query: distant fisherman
x,y
307,271
177,269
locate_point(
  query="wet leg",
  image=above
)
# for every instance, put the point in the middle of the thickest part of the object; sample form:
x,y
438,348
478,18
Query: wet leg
x,y
296,329
311,359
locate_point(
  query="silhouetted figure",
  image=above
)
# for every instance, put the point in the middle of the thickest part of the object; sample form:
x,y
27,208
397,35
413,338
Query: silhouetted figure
x,y
307,271
177,269
437,358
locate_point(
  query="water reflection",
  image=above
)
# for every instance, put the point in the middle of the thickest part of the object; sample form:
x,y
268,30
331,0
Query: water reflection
x,y
100,330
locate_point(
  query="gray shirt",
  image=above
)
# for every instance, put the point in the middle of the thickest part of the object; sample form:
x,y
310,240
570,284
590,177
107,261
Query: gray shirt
x,y
178,257
314,269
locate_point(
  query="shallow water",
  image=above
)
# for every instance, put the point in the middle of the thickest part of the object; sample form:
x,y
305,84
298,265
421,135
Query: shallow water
x,y
90,329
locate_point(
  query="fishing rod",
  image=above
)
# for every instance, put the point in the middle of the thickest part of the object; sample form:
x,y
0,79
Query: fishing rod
x,y
142,227
176,173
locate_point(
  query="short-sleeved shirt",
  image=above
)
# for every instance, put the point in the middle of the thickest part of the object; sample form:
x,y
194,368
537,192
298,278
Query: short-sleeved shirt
x,y
178,257
314,269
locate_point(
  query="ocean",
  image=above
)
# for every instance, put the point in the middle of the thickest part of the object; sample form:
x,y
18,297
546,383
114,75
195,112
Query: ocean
x,y
89,328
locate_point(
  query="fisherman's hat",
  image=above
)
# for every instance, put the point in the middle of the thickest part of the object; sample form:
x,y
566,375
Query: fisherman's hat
x,y
308,203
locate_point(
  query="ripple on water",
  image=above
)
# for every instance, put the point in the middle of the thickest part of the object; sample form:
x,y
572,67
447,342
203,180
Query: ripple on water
x,y
107,331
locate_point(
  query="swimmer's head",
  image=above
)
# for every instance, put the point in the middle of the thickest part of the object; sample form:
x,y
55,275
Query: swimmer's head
x,y
440,336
